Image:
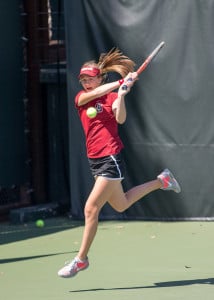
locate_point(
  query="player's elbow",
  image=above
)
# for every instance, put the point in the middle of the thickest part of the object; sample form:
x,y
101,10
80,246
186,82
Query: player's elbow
x,y
121,119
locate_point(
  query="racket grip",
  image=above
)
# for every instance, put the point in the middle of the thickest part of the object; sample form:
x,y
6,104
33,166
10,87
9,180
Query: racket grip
x,y
124,86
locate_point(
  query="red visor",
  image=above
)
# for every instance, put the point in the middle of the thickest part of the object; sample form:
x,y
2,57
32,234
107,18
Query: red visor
x,y
90,71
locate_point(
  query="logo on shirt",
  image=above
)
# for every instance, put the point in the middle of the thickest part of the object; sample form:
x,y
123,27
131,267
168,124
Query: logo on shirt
x,y
99,107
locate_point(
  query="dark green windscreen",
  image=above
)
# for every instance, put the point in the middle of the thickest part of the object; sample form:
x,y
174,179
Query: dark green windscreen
x,y
12,137
170,110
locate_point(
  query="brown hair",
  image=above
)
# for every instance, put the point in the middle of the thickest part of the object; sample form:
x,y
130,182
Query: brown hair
x,y
113,61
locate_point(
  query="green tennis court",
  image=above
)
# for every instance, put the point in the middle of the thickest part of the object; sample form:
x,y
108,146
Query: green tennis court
x,y
128,260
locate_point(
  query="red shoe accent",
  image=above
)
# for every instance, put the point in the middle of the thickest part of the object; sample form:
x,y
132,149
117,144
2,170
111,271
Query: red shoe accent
x,y
164,180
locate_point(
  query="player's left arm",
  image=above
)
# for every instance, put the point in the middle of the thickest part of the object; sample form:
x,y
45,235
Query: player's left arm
x,y
119,107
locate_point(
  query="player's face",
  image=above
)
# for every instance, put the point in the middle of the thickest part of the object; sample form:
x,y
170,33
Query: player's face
x,y
90,83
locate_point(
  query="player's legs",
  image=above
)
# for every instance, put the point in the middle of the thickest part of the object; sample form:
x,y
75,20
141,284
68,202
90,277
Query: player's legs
x,y
120,201
111,190
103,190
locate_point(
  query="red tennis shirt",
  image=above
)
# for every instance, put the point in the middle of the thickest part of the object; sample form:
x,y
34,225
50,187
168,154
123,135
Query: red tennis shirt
x,y
101,132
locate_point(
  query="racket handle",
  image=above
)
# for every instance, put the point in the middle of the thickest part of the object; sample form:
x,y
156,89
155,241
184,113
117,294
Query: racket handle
x,y
124,86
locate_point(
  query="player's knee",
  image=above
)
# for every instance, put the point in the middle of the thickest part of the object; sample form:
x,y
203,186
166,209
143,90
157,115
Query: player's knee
x,y
119,208
91,211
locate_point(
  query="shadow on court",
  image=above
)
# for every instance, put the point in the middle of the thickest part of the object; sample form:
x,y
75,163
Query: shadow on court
x,y
156,285
18,259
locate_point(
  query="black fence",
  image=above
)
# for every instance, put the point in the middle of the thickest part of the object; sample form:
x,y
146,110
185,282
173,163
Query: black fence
x,y
33,40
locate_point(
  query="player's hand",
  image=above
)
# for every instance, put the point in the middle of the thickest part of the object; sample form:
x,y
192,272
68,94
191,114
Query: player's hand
x,y
129,81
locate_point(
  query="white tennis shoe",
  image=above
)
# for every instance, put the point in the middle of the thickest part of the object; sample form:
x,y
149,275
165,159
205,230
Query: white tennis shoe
x,y
169,182
73,268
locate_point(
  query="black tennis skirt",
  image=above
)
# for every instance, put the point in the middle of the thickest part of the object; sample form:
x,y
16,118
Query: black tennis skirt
x,y
111,167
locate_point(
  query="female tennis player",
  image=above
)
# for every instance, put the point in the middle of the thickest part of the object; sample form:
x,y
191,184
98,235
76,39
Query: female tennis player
x,y
104,146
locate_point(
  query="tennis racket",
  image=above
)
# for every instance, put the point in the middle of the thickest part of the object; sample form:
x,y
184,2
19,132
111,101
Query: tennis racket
x,y
151,56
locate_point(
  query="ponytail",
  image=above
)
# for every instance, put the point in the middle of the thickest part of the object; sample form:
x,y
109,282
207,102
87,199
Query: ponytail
x,y
115,61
